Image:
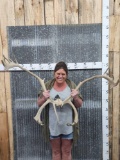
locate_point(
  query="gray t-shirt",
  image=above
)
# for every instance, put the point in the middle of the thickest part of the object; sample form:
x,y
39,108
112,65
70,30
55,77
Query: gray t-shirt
x,y
64,114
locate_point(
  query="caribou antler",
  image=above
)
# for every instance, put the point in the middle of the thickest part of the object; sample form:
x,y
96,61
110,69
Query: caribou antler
x,y
105,76
8,63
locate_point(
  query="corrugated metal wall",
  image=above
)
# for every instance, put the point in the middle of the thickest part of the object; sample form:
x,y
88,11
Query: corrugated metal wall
x,y
50,44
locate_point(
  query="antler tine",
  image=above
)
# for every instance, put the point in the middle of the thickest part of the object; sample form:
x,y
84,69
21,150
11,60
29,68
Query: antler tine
x,y
7,59
75,113
8,63
115,84
37,118
2,62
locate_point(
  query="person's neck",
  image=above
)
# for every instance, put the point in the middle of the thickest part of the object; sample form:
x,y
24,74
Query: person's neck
x,y
59,86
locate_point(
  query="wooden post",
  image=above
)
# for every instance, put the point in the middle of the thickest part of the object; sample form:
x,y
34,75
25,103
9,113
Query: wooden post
x,y
4,141
116,110
90,12
71,11
59,11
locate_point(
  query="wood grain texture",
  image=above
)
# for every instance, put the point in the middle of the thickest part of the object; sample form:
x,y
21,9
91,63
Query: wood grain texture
x,y
90,12
71,11
7,18
34,12
59,11
4,142
116,109
49,12
19,13
111,60
117,7
114,33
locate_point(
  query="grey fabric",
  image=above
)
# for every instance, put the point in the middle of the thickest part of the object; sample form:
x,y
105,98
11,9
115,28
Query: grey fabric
x,y
64,114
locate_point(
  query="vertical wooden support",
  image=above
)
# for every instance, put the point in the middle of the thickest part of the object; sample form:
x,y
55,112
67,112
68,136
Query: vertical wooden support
x,y
4,147
49,12
114,33
34,12
71,8
2,81
59,11
90,12
117,7
8,9
116,110
19,12
111,58
111,9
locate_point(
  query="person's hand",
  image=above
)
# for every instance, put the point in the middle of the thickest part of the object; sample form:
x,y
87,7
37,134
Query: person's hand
x,y
46,94
74,93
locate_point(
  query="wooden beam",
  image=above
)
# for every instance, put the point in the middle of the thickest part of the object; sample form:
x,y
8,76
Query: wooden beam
x,y
114,33
90,11
7,19
59,11
19,12
116,110
111,7
117,7
34,12
2,79
49,12
4,142
111,58
71,10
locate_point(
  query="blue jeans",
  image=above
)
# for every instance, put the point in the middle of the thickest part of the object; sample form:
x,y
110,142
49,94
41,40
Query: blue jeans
x,y
63,136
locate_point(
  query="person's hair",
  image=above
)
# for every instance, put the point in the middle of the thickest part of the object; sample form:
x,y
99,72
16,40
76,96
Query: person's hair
x,y
61,65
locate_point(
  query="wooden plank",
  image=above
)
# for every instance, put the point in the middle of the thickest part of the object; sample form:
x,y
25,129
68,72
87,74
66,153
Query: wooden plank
x,y
4,151
19,12
7,9
116,110
114,33
117,7
111,58
71,11
4,12
34,12
4,142
111,7
59,11
9,114
2,80
2,93
49,12
90,11
10,22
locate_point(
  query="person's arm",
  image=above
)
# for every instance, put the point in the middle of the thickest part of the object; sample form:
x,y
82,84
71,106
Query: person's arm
x,y
43,97
77,100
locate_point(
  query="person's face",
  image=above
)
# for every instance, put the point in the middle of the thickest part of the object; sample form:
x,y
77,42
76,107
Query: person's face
x,y
60,76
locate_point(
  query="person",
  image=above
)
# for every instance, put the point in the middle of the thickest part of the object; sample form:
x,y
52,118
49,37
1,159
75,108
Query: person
x,y
60,135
